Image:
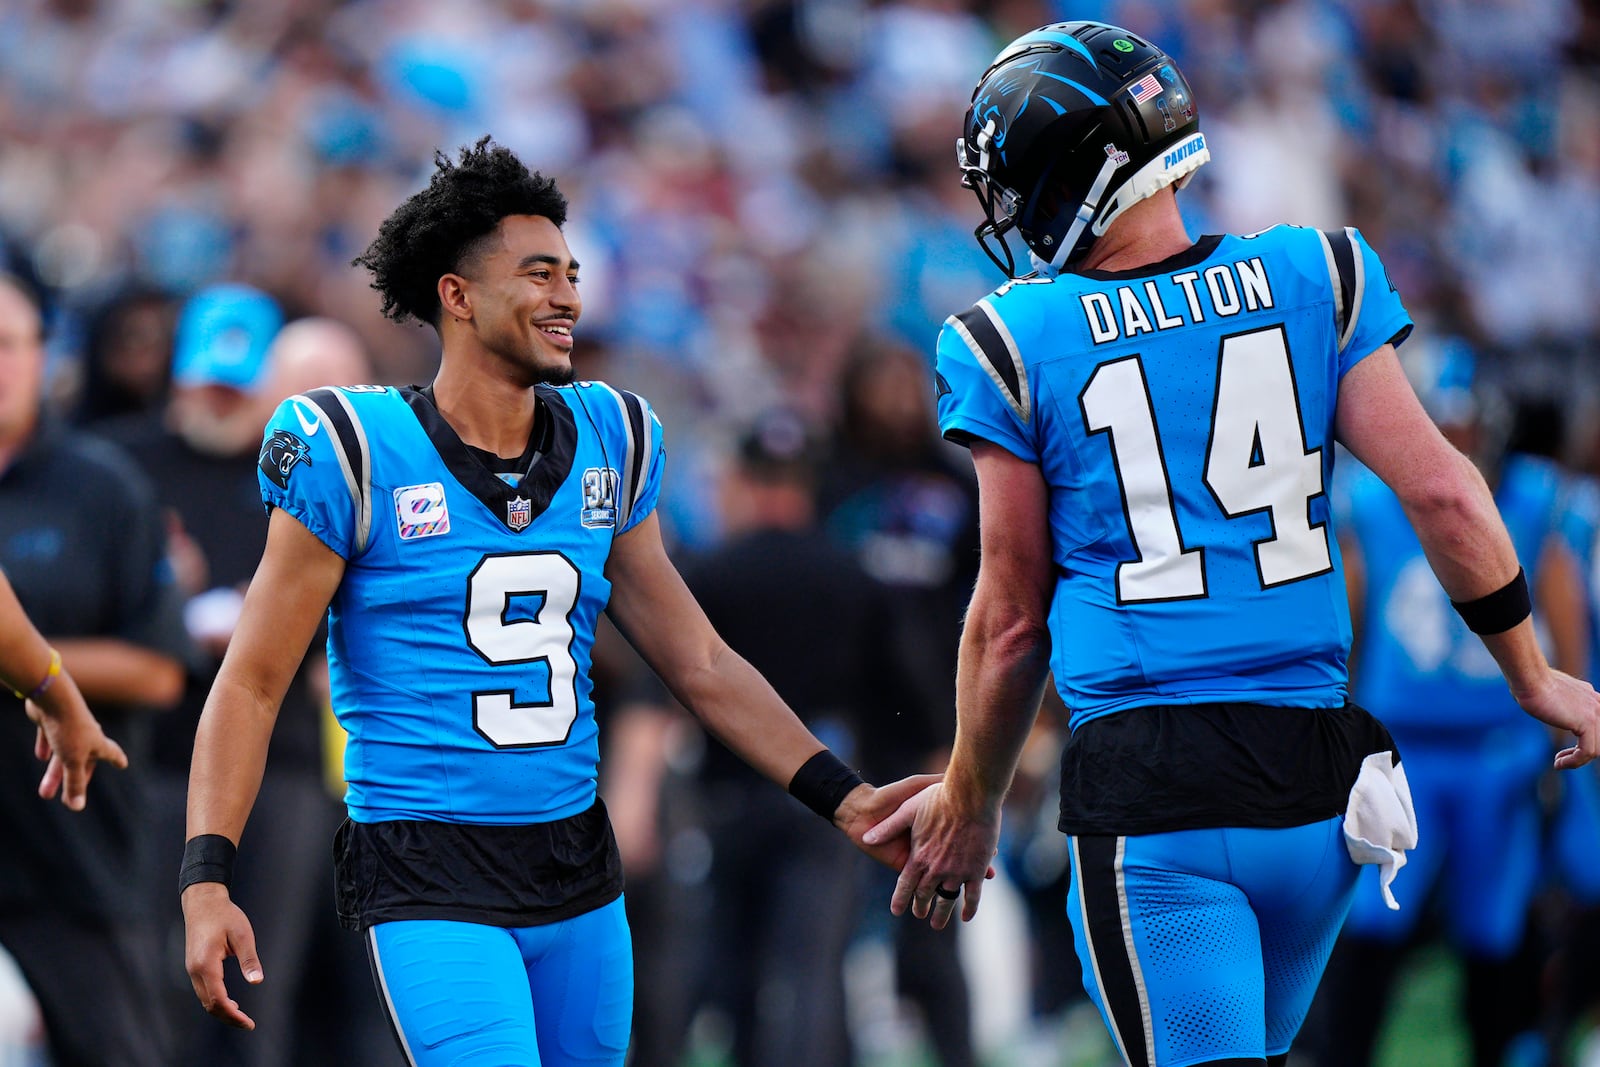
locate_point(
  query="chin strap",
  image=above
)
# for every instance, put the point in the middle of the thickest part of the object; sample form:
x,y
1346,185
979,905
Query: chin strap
x,y
1174,167
1086,211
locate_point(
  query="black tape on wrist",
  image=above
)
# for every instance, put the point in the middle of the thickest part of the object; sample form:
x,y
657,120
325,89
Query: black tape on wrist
x,y
822,783
1500,610
207,858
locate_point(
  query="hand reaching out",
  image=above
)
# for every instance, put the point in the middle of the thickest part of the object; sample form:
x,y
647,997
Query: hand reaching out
x,y
70,742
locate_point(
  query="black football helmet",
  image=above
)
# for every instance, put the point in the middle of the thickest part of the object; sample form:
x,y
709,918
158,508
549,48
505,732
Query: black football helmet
x,y
1070,125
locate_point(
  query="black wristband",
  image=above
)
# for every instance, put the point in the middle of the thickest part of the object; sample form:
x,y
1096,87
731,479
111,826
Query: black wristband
x,y
822,783
207,858
1500,610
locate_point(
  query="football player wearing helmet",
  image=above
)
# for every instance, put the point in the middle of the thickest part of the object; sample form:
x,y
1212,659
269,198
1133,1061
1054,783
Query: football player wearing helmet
x,y
1152,419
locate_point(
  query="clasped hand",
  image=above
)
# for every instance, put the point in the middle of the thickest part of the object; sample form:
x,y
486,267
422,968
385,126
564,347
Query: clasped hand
x,y
944,854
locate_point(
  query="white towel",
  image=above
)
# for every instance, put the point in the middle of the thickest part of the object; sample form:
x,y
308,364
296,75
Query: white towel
x,y
1380,824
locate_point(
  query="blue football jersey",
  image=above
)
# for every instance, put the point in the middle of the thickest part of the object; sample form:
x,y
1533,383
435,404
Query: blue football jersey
x,y
1420,667
1183,416
459,639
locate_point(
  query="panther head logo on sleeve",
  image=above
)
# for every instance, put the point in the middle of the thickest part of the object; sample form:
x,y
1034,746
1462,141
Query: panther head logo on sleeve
x,y
280,454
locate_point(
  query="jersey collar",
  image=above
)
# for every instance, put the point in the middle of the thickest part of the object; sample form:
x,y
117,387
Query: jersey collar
x,y
553,455
1198,252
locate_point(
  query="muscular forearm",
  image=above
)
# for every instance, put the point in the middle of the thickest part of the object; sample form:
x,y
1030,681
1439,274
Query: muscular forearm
x,y
1454,516
230,756
999,683
1472,555
113,671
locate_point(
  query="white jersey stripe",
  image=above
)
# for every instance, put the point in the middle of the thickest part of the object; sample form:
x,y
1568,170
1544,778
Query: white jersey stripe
x,y
1360,289
1088,939
388,1001
1133,954
364,493
1339,323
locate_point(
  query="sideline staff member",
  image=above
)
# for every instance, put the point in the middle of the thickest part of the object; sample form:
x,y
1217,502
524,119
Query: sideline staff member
x,y
82,542
69,739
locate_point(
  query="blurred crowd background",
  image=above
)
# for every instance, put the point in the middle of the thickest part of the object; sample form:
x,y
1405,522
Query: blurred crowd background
x,y
758,186
768,218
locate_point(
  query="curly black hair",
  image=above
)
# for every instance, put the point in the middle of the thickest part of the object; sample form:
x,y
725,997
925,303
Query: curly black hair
x,y
438,230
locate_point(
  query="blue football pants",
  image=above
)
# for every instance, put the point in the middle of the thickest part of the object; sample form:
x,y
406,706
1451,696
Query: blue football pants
x,y
466,995
1206,945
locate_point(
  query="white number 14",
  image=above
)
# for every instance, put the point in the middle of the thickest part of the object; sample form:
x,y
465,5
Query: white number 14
x,y
1256,461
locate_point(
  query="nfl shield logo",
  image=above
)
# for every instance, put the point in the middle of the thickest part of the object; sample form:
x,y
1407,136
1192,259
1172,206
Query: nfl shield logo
x,y
519,513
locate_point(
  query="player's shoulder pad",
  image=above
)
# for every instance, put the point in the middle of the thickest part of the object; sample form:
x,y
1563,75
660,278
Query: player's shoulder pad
x,y
991,335
640,432
331,413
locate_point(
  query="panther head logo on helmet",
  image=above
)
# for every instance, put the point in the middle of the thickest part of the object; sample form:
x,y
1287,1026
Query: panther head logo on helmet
x,y
1071,125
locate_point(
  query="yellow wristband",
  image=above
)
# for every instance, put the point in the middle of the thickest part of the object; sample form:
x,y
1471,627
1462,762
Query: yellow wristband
x,y
46,682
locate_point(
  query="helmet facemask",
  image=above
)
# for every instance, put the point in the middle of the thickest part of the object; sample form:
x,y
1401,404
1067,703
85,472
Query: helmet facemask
x,y
1054,218
973,162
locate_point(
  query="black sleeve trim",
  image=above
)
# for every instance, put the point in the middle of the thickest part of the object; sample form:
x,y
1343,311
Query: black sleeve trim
x,y
996,352
350,446
639,451
1345,275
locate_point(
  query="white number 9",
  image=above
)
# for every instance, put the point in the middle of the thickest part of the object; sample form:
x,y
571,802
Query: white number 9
x,y
545,638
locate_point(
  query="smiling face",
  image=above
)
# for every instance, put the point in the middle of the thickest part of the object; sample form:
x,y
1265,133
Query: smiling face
x,y
518,298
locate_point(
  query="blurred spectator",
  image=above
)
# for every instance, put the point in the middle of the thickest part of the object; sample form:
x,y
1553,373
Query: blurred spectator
x,y
784,897
200,450
127,357
70,740
81,538
307,354
779,156
1574,987
656,818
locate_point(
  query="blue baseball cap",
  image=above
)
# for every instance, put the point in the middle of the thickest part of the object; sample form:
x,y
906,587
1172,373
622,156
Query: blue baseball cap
x,y
223,335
